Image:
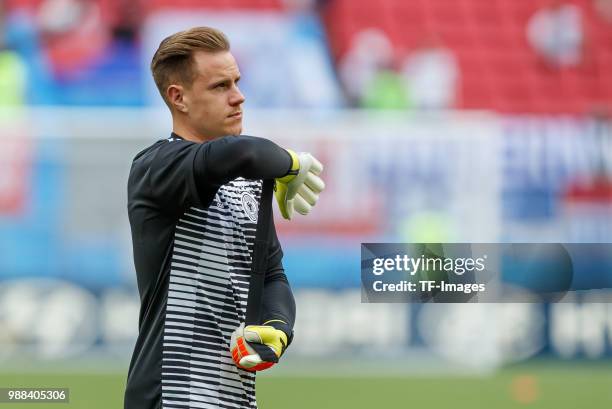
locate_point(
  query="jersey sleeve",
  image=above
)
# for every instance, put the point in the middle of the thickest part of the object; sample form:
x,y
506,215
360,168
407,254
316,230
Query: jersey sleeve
x,y
184,174
172,176
278,300
224,159
275,251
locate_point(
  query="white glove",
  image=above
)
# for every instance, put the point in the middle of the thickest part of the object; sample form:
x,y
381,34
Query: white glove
x,y
299,190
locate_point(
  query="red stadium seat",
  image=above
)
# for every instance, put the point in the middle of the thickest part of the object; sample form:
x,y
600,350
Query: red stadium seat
x,y
499,68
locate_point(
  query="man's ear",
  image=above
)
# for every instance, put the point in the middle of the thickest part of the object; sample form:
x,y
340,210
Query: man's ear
x,y
175,95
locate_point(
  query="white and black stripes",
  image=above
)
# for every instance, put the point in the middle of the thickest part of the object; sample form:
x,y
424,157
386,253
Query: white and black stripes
x,y
207,297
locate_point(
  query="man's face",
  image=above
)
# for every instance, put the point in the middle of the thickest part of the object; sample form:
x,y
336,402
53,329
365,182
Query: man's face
x,y
213,102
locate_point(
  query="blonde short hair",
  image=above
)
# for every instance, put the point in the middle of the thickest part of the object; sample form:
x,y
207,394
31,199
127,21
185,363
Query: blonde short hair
x,y
173,60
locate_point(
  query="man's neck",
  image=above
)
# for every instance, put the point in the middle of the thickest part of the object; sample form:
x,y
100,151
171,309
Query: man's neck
x,y
187,133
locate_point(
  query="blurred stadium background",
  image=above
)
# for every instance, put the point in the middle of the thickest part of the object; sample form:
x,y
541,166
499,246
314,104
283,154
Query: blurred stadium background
x,y
438,121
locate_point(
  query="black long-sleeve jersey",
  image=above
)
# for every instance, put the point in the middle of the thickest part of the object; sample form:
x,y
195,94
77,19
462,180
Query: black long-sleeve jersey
x,y
193,212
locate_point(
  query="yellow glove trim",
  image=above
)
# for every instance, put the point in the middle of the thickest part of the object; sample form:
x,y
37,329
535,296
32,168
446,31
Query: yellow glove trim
x,y
268,335
295,168
269,321
280,192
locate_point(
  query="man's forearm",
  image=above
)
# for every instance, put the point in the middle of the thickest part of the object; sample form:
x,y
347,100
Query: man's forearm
x,y
279,303
230,157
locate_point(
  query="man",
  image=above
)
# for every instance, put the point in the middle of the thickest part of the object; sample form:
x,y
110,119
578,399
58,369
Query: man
x,y
193,203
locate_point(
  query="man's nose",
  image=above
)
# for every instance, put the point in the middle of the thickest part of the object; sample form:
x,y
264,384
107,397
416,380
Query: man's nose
x,y
236,98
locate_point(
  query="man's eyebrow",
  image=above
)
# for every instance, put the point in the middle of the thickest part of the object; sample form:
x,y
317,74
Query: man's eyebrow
x,y
223,80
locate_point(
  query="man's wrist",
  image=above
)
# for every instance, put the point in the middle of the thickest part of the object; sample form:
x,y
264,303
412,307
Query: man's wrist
x,y
294,167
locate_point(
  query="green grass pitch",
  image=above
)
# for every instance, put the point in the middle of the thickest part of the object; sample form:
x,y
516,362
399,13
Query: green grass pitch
x,y
541,386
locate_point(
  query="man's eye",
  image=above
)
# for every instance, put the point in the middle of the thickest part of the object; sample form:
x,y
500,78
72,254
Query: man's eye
x,y
221,85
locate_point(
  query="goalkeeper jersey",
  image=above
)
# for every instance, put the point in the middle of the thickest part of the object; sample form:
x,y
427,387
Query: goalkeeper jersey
x,y
193,212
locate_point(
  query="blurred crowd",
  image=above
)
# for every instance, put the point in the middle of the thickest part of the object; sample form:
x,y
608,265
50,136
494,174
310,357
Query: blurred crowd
x,y
89,52
61,51
425,78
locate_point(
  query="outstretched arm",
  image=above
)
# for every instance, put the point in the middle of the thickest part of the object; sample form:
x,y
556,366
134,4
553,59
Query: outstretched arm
x,y
219,161
298,184
181,174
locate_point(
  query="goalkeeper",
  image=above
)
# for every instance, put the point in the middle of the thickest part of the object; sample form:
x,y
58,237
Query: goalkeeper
x,y
193,203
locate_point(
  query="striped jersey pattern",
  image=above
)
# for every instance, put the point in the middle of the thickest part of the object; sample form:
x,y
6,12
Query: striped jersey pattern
x,y
207,298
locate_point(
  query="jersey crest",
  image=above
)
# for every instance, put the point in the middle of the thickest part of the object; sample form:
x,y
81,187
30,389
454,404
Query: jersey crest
x,y
249,204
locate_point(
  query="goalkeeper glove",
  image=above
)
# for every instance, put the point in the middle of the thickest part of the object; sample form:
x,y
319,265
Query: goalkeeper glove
x,y
300,188
258,347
